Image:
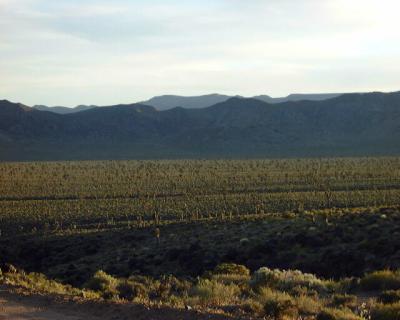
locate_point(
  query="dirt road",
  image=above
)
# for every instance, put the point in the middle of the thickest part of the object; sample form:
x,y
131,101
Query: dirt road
x,y
14,306
19,307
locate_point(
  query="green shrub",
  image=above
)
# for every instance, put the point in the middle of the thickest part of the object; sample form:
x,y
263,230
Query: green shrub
x,y
266,293
308,305
130,290
386,312
280,309
231,268
176,301
389,296
239,280
286,279
277,305
169,285
211,292
275,299
38,282
381,280
253,306
298,291
103,283
145,280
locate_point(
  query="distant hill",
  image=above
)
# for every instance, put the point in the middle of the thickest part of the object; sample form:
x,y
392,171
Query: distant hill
x,y
347,125
160,103
63,110
299,97
171,101
167,102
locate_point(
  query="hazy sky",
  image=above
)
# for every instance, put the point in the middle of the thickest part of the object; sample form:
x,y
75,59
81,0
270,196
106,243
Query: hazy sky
x,y
68,52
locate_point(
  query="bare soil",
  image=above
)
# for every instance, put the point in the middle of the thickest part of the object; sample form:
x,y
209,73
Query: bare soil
x,y
17,305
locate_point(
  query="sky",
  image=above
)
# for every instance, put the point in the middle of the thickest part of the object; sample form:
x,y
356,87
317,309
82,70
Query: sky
x,y
70,52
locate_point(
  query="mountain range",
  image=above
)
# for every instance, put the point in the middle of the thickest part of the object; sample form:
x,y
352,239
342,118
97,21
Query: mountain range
x,y
345,125
63,110
166,102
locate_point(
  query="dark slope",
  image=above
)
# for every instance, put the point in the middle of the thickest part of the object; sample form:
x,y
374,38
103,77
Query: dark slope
x,y
113,122
166,102
355,124
298,97
196,102
20,122
351,124
63,110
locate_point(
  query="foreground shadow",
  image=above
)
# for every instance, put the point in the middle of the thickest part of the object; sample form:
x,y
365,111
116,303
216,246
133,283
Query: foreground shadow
x,y
16,303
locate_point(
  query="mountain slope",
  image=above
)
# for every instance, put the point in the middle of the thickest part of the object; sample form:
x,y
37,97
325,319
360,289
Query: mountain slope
x,y
171,101
167,102
298,97
350,124
63,110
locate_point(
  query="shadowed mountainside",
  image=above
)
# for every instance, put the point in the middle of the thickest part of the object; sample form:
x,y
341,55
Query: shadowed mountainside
x,y
347,125
63,110
298,97
166,102
170,101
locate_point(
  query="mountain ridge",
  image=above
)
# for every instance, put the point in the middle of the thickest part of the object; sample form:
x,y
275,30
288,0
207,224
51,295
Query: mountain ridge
x,y
346,125
166,102
63,110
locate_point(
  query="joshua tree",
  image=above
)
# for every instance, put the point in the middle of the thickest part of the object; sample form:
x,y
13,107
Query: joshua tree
x,y
157,235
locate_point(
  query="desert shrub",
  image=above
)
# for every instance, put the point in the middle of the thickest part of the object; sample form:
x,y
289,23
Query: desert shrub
x,y
154,288
308,305
215,293
337,314
130,290
252,306
276,300
280,309
38,282
389,296
386,312
286,279
145,280
348,284
266,293
277,305
239,280
103,283
298,291
89,295
176,301
231,268
9,268
170,285
381,280
344,300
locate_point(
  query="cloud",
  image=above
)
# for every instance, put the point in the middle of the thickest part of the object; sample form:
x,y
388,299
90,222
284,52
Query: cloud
x,y
71,52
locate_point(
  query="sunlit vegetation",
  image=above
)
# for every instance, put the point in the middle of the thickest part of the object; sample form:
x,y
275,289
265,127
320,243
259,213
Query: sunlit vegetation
x,y
275,239
270,294
95,195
